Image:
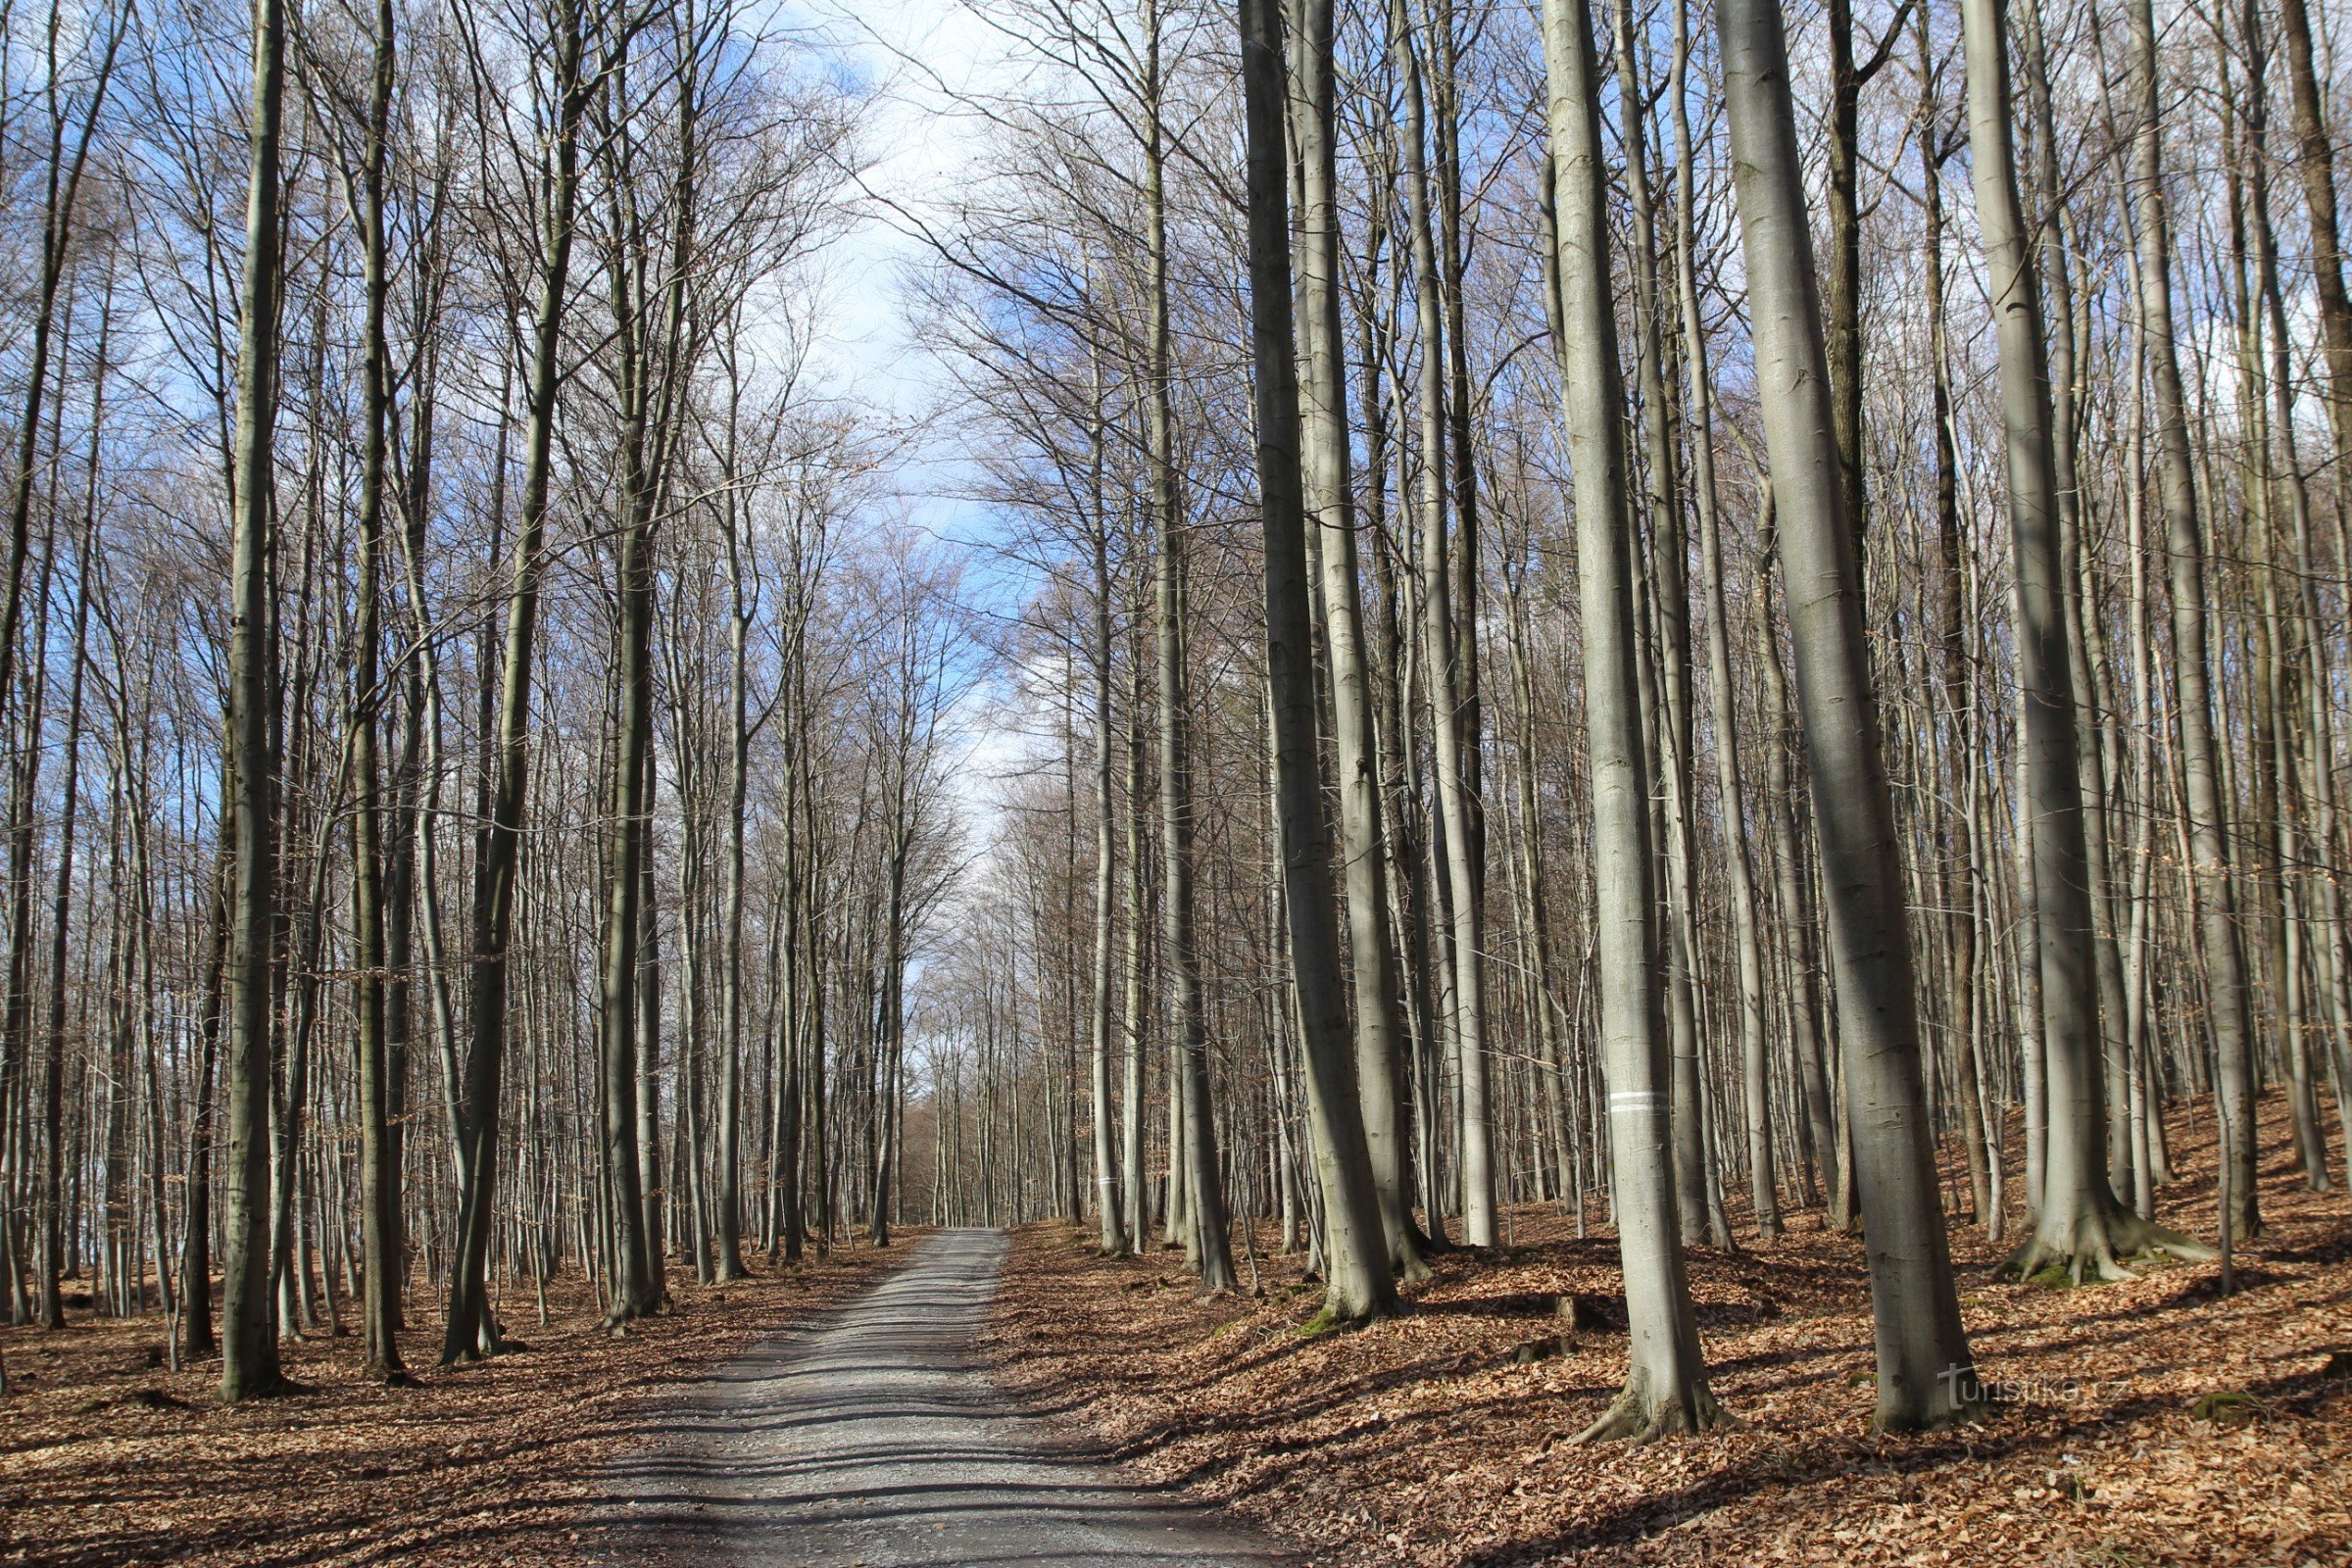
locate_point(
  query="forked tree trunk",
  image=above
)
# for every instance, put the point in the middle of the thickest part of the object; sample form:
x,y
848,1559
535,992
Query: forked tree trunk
x,y
498,853
1957,870
1440,645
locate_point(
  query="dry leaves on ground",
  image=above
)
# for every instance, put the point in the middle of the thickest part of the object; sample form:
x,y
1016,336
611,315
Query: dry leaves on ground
x,y
1441,1439
106,1459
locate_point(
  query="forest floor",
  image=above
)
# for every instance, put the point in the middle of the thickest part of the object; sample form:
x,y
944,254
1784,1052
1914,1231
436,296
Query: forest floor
x,y
108,1459
1440,1439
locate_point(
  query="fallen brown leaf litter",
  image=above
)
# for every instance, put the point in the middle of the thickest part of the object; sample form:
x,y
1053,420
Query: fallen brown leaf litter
x,y
2141,1423
107,1458
2144,1422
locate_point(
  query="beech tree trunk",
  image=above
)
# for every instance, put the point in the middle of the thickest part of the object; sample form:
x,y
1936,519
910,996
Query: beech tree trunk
x,y
249,1364
1925,1375
2200,766
1666,1387
2081,1225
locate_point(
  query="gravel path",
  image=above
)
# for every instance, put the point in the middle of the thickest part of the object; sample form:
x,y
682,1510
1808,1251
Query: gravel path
x,y
873,1438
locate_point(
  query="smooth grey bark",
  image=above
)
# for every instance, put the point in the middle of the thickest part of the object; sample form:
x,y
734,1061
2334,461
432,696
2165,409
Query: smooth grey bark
x,y
1135,998
1322,398
1666,1387
1195,1123
1109,1213
1440,644
2085,640
1359,1282
249,1364
498,852
1669,597
1925,1377
1956,872
742,606
385,1263
1730,791
2081,1225
2202,792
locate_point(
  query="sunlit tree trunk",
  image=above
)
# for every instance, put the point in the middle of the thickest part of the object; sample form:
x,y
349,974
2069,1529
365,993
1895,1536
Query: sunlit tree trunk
x,y
1441,651
2081,1225
1330,497
1666,1388
2200,767
1923,1377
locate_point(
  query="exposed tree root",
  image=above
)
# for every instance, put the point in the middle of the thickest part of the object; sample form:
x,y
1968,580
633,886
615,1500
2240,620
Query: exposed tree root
x,y
389,1375
276,1388
622,1314
2101,1239
1638,1416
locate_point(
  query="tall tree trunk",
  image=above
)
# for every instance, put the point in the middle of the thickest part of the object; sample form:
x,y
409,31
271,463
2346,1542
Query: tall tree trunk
x,y
1731,799
380,1178
249,1365
1925,1379
1670,597
1134,1002
1192,1116
1358,1250
53,1099
2085,643
1110,1215
2200,764
728,1199
1957,869
1330,497
498,853
1666,1384
2081,1225
1440,644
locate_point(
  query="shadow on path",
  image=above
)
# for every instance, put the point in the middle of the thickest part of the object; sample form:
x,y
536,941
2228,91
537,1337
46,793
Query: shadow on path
x,y
875,1437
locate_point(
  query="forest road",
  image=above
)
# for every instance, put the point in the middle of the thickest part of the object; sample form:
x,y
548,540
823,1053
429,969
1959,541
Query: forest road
x,y
874,1438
